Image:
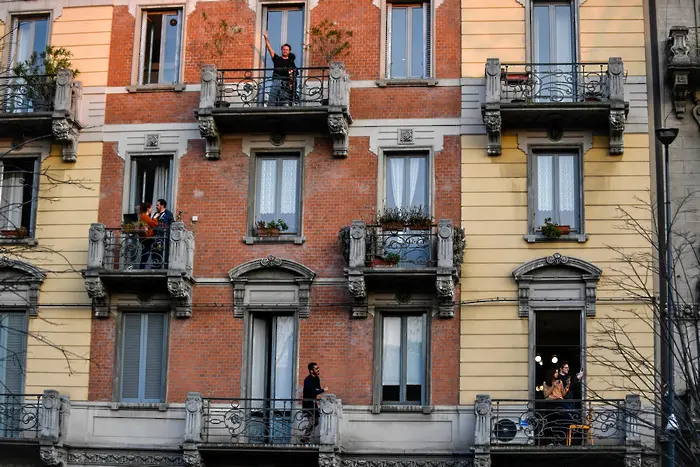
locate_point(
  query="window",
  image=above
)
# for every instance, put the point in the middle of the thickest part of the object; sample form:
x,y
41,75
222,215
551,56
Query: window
x,y
406,178
285,26
408,40
32,35
160,47
404,359
553,46
151,180
18,196
277,193
557,189
143,357
273,357
13,343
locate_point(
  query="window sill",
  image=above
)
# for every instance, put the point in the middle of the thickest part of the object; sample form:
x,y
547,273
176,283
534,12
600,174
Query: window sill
x,y
159,406
415,82
295,239
27,241
424,409
539,238
156,88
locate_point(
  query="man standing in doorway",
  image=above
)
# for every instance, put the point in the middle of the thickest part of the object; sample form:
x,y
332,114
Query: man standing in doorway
x,y
312,390
164,218
283,74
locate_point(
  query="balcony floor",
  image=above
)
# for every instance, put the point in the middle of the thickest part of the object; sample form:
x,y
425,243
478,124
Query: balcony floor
x,y
258,119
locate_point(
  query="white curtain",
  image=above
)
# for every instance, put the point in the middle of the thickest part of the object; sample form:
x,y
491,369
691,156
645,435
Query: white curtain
x,y
284,352
396,172
414,171
160,184
391,352
289,186
415,363
545,190
566,184
11,204
259,366
267,186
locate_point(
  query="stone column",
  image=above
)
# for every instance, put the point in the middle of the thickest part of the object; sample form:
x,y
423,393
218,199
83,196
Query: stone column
x,y
482,431
194,419
96,246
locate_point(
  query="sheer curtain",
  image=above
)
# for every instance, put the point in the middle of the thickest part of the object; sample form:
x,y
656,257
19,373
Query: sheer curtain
x,y
11,200
414,171
396,174
268,184
160,184
288,198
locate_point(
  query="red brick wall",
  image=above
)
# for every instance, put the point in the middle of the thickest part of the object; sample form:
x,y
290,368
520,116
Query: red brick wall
x,y
121,47
102,359
111,186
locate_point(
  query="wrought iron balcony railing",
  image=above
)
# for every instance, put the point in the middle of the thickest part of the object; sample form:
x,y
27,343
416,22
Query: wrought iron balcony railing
x,y
402,247
35,94
517,423
260,421
259,88
554,82
19,415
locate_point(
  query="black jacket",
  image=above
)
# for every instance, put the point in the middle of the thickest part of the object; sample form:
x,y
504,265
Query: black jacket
x,y
312,388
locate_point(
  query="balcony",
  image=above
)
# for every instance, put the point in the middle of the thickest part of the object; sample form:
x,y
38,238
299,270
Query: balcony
x,y
250,101
31,422
275,427
683,68
555,97
42,105
605,427
119,261
390,259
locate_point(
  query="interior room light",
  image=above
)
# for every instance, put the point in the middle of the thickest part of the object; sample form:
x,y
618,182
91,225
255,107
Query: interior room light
x,y
554,359
538,358
539,388
541,364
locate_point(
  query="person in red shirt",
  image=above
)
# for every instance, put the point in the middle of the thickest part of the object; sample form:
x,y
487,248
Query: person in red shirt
x,y
147,236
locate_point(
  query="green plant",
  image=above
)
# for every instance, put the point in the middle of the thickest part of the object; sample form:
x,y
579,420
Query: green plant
x,y
36,76
418,217
344,238
550,229
329,41
459,243
137,226
392,258
392,218
223,37
279,224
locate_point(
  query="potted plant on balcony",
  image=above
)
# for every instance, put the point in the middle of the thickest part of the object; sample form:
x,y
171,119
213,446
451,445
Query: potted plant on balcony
x,y
417,218
389,259
223,38
137,227
392,219
20,232
270,229
34,80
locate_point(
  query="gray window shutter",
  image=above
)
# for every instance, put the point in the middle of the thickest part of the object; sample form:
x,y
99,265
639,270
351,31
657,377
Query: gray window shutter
x,y
14,326
155,337
131,355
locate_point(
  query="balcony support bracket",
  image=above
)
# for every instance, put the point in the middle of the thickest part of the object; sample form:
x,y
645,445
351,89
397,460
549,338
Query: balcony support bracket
x,y
617,130
358,292
180,290
210,133
446,294
492,120
338,127
98,293
65,133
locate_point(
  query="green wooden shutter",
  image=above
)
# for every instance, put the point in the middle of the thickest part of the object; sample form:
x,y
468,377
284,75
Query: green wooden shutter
x,y
155,340
429,38
131,356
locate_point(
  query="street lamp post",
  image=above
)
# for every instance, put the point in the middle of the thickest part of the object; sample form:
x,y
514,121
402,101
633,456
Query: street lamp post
x,y
666,136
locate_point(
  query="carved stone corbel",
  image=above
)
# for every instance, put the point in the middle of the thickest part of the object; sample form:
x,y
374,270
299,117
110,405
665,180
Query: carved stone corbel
x,y
192,457
181,290
338,127
492,120
679,63
99,294
446,294
53,455
617,130
65,133
210,133
358,292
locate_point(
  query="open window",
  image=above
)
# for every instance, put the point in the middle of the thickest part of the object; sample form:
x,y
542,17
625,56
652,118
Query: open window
x,y
18,196
159,59
151,180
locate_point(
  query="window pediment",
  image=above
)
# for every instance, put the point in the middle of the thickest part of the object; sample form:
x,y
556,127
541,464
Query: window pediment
x,y
20,284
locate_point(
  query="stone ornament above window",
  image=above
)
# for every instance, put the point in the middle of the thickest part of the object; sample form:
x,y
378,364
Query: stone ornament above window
x,y
20,283
405,136
152,141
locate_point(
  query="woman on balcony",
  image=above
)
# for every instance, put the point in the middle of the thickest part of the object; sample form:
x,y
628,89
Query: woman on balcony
x,y
147,235
553,416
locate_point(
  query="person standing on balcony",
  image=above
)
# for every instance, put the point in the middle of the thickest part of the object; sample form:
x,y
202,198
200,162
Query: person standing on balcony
x,y
147,235
164,219
312,391
283,74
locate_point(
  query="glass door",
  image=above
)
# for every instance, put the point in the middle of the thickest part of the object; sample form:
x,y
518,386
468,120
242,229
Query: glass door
x,y
553,52
284,25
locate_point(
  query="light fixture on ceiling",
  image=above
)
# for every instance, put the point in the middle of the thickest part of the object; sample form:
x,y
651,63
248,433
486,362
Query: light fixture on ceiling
x,y
554,359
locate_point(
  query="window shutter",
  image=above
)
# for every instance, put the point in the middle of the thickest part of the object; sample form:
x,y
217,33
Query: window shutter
x,y
428,38
14,327
131,356
388,41
155,336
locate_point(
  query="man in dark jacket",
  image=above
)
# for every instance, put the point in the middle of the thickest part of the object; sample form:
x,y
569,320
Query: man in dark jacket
x,y
283,74
312,390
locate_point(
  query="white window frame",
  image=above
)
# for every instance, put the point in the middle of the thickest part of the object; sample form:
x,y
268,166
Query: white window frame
x,y
428,39
382,173
279,155
140,45
530,21
14,20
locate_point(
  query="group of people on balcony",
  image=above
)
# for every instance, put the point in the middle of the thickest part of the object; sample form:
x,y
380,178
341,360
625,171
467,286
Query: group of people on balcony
x,y
560,413
284,73
155,235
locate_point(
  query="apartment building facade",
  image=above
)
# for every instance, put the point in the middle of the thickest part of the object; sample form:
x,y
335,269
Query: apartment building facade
x,y
556,185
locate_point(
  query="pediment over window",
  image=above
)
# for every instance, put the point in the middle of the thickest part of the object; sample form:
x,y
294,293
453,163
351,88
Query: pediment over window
x,y
19,284
271,284
556,282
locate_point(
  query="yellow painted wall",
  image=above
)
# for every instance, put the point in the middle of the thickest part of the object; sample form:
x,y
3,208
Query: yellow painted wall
x,y
496,28
494,340
86,32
